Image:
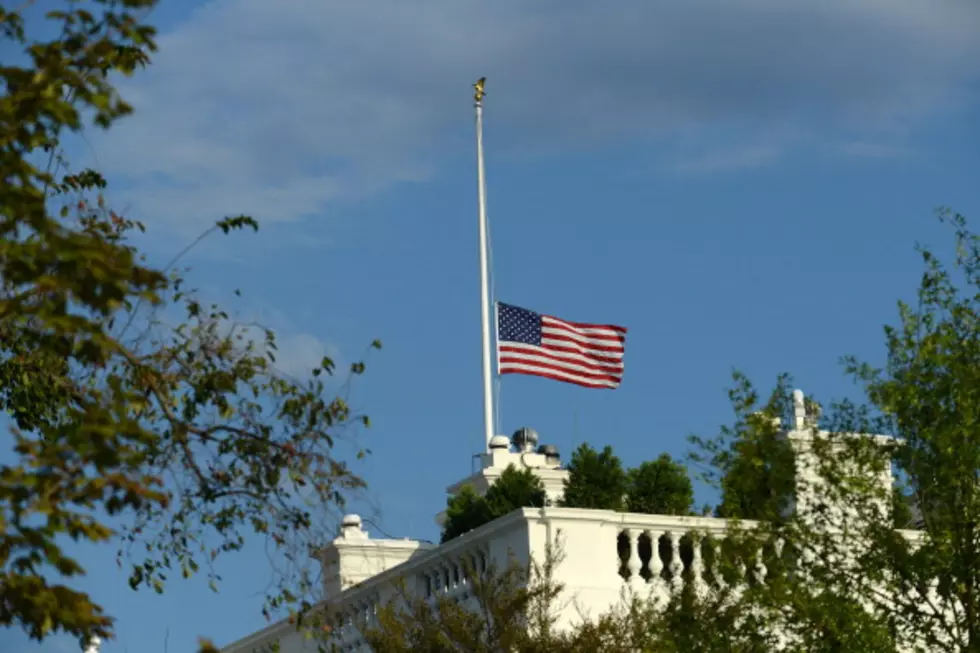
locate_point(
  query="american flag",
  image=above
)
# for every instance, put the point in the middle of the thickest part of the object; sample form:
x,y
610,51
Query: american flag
x,y
541,345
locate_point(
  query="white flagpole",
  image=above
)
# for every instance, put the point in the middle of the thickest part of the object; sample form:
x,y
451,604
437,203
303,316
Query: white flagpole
x,y
484,271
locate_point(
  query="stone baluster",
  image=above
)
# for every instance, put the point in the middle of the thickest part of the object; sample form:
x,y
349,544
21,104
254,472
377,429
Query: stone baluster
x,y
760,571
656,564
634,565
437,586
719,579
740,570
697,567
737,589
462,585
454,584
655,584
429,581
676,564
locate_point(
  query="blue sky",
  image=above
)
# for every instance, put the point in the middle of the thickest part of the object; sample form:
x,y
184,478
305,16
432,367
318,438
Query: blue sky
x,y
741,183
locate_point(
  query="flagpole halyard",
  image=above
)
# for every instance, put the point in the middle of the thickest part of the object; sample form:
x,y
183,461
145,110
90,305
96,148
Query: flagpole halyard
x,y
484,268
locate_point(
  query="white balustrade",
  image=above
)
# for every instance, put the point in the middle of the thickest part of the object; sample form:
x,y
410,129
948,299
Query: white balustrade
x,y
601,554
660,554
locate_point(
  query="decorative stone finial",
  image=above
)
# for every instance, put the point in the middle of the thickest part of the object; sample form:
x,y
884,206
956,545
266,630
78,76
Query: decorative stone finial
x,y
799,410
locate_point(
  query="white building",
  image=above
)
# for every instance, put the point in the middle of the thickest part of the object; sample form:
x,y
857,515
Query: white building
x,y
604,553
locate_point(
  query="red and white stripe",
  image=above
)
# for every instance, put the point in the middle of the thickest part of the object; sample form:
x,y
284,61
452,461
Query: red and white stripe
x,y
589,355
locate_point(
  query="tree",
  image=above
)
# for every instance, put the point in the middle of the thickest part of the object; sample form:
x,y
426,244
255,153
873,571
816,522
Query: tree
x,y
183,430
595,480
749,462
514,489
465,511
660,487
686,623
858,582
928,395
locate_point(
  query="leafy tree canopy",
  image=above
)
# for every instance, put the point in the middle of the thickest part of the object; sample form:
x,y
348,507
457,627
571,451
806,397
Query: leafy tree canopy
x,y
660,487
596,480
514,489
858,583
177,436
750,462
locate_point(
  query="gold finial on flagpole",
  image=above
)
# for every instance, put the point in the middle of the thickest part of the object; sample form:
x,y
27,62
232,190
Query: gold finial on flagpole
x,y
478,87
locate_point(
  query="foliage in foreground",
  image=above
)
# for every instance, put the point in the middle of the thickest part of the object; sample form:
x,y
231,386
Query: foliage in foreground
x,y
138,413
518,609
509,609
928,395
921,589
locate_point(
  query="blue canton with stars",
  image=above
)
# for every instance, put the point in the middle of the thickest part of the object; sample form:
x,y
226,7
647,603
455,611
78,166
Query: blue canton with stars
x,y
518,325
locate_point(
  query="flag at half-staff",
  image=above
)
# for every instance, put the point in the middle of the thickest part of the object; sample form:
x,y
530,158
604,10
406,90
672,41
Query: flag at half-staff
x,y
589,355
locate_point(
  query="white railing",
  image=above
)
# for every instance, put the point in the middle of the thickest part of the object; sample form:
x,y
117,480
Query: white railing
x,y
659,554
606,556
602,556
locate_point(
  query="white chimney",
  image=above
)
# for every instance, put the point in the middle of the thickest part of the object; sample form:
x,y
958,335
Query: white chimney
x,y
353,556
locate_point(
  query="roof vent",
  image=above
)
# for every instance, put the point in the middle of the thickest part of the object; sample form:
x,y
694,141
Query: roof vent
x,y
550,453
549,450
525,439
350,526
499,442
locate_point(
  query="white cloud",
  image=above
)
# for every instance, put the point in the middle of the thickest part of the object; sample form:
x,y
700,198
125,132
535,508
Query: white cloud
x,y
298,353
297,350
279,108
